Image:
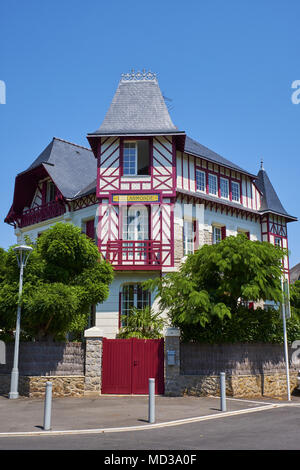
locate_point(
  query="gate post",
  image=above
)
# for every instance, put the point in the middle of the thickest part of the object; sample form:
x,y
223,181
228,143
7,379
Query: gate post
x,y
93,361
172,362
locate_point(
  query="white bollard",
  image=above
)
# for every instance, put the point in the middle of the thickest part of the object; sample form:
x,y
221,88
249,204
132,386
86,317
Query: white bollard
x,y
47,407
151,401
223,391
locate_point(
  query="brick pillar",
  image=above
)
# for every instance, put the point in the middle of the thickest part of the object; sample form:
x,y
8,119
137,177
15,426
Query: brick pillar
x,y
93,361
172,362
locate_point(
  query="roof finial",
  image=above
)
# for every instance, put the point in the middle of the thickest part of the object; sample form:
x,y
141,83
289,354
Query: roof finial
x,y
262,164
138,76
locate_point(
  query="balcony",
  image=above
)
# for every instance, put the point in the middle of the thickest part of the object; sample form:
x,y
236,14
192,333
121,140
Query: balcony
x,y
39,213
132,254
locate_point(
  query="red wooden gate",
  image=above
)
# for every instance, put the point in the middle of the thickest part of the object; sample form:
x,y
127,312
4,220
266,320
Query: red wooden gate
x,y
127,365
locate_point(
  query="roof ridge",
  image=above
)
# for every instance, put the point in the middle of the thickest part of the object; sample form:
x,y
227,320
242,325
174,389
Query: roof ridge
x,y
72,143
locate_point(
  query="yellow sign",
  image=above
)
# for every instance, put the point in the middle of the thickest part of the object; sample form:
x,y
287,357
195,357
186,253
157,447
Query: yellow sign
x,y
135,198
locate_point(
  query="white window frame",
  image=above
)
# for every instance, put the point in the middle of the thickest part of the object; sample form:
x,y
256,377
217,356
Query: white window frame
x,y
235,183
49,188
211,175
224,180
134,143
145,299
280,241
204,175
188,237
217,232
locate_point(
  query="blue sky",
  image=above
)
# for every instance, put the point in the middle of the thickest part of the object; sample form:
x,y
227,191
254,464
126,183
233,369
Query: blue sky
x,y
227,66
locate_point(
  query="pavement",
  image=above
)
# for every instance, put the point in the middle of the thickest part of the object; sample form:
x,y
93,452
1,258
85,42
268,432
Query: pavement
x,y
24,416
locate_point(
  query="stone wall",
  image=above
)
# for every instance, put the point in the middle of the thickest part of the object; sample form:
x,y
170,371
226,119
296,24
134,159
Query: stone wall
x,y
252,370
35,386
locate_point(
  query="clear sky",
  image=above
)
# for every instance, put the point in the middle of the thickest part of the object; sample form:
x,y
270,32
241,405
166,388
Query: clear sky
x,y
228,67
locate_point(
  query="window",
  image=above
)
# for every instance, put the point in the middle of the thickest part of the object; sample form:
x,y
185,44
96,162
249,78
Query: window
x,y
219,233
188,237
235,191
90,228
277,242
136,158
212,184
135,223
133,295
130,158
50,192
243,232
224,188
200,181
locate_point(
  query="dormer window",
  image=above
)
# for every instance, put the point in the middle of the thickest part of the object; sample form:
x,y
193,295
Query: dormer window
x,y
50,192
136,158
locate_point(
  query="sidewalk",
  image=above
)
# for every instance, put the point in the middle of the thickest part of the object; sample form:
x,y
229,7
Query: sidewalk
x,y
26,415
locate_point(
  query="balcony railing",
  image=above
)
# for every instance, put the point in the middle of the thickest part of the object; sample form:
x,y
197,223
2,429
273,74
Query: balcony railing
x,y
39,213
138,254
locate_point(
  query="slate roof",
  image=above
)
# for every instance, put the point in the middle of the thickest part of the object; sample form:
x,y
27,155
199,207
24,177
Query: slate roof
x,y
195,148
295,273
72,167
270,201
137,108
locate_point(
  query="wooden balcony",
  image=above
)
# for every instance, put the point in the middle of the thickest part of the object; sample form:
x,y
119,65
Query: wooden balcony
x,y
39,213
132,254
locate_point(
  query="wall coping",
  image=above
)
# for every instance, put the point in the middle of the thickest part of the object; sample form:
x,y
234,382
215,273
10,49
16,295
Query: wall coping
x,y
94,332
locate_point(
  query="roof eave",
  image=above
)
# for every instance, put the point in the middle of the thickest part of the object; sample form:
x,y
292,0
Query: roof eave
x,y
291,218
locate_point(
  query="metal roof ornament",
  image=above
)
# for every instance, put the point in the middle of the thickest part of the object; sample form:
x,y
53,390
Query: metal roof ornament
x,y
262,164
139,76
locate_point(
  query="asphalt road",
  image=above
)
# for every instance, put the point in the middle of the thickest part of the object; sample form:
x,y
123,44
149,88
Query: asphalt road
x,y
273,429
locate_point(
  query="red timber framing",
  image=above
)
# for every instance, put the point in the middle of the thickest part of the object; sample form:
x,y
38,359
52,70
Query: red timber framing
x,y
162,167
155,190
187,166
40,213
216,205
150,254
274,226
84,202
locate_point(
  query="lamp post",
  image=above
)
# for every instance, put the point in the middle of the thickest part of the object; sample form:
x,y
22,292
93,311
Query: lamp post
x,y
22,252
285,310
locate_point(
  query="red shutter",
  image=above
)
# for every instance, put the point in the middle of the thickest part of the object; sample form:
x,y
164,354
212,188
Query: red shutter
x,y
90,229
223,231
248,235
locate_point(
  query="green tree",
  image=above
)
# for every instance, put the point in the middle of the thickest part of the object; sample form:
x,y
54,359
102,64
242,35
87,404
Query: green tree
x,y
64,276
142,323
295,298
217,280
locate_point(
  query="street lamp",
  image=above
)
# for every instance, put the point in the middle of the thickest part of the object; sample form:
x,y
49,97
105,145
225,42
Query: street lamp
x,y
22,252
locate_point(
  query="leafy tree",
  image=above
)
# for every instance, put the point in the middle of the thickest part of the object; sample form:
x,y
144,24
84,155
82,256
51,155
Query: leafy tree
x,y
244,326
295,299
217,280
142,323
64,276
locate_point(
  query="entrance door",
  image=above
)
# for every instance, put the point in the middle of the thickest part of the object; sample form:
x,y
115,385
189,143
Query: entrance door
x,y
127,365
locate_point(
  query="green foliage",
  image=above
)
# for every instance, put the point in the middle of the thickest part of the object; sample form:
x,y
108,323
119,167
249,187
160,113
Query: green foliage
x,y
142,323
64,276
295,298
215,282
245,326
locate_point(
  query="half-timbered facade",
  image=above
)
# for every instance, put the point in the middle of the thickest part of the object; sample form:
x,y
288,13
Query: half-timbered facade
x,y
147,194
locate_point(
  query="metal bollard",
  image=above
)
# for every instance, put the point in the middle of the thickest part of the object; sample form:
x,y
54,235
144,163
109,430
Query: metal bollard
x,y
151,412
223,391
47,407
